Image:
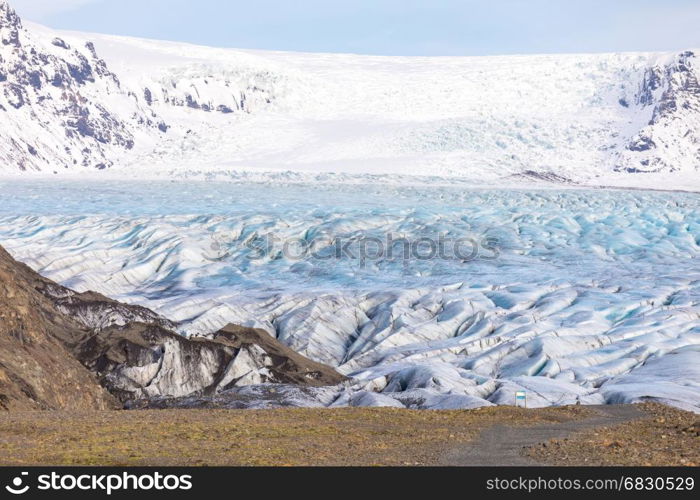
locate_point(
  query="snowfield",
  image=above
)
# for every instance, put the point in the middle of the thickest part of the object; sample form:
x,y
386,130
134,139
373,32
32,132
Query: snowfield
x,y
485,119
590,296
83,104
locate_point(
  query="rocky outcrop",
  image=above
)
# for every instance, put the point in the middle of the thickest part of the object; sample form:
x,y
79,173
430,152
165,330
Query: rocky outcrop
x,y
61,106
141,361
37,371
53,337
669,105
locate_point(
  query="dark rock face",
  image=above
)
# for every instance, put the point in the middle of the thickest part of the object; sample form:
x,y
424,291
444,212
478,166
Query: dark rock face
x,y
133,351
61,91
81,73
670,96
15,95
10,25
642,144
682,89
650,84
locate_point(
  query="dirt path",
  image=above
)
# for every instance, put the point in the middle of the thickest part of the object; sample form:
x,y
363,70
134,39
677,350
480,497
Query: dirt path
x,y
503,445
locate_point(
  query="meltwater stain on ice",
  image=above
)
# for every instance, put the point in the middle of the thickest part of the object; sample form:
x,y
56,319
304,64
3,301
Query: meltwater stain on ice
x,y
594,295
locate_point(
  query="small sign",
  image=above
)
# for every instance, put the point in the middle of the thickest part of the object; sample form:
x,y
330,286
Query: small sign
x,y
521,399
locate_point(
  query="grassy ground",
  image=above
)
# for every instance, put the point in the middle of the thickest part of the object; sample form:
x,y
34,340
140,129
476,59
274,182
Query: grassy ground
x,y
353,436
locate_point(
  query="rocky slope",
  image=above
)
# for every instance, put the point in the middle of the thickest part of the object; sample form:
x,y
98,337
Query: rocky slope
x,y
668,103
48,331
36,370
61,106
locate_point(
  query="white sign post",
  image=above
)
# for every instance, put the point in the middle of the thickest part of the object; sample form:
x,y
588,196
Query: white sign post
x,y
521,399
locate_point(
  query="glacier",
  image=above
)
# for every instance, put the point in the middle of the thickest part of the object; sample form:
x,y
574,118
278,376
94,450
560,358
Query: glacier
x,y
182,178
591,296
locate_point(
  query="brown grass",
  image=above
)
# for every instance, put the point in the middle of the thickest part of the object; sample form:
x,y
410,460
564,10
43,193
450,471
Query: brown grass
x,y
352,436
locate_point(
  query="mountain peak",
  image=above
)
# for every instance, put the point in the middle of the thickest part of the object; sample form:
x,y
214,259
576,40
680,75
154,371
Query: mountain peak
x,y
69,93
159,108
10,25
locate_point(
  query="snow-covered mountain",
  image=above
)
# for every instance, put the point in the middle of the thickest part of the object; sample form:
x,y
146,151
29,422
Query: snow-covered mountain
x,y
62,108
75,103
669,139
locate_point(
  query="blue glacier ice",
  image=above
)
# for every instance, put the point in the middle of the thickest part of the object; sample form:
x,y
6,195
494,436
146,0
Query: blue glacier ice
x,y
587,296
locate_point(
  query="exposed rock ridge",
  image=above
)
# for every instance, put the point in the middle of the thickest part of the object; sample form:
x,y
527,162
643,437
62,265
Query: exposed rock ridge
x,y
53,337
669,102
61,106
